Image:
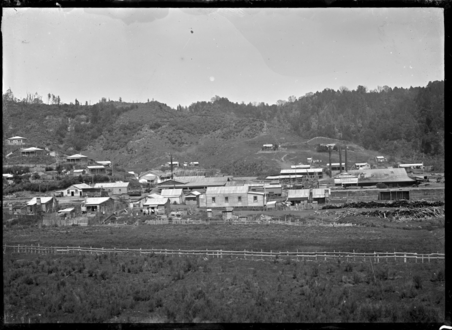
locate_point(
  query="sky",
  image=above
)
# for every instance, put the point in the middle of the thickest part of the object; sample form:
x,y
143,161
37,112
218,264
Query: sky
x,y
181,56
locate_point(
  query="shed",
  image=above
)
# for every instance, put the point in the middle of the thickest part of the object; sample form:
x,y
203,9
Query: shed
x,y
297,195
104,162
192,198
99,204
67,213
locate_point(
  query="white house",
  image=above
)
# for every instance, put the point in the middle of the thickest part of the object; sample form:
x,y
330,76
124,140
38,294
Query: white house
x,y
16,140
33,151
76,190
104,162
48,204
77,158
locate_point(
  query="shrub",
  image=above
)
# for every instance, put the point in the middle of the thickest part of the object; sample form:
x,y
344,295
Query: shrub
x,y
417,281
382,274
420,314
348,268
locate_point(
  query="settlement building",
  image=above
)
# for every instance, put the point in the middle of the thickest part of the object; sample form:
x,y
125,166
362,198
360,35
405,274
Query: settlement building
x,y
32,151
99,204
48,204
114,188
380,159
362,166
75,190
192,198
104,162
16,140
231,196
394,177
77,158
157,205
96,169
174,195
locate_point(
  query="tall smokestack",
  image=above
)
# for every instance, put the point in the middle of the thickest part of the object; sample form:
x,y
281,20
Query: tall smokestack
x,y
346,167
340,159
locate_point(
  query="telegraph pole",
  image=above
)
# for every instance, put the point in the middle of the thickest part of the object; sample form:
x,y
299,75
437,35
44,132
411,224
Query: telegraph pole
x,y
340,159
346,167
171,165
329,154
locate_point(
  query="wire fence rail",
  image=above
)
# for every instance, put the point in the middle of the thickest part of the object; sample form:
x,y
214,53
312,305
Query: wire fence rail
x,y
375,257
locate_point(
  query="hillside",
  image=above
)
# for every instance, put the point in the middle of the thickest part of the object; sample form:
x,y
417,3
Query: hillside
x,y
402,124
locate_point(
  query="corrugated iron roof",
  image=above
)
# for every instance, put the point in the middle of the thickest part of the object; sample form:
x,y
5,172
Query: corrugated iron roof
x,y
227,190
95,166
44,200
301,171
155,201
16,138
80,186
76,156
96,200
383,175
69,209
205,184
112,185
31,149
171,192
187,179
298,193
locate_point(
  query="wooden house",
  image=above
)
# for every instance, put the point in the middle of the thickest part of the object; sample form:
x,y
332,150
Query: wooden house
x,y
47,204
174,195
16,140
99,204
114,188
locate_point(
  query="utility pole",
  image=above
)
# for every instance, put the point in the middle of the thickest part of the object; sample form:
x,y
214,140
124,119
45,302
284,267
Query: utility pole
x,y
171,165
346,167
329,154
340,158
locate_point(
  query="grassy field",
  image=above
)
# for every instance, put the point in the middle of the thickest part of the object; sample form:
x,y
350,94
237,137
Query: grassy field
x,y
114,288
238,237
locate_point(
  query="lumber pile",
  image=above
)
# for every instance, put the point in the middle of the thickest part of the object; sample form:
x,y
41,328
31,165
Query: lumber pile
x,y
402,203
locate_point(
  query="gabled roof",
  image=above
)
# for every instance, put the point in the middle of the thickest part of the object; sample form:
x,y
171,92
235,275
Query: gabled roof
x,y
80,186
76,156
44,200
187,179
205,184
171,192
103,162
301,171
68,210
91,167
227,190
31,149
154,195
96,200
155,201
383,175
111,185
16,138
78,171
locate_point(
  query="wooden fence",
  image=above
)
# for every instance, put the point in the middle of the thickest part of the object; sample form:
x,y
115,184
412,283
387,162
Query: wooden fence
x,y
375,257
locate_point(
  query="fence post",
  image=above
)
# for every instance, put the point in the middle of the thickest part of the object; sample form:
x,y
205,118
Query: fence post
x,y
221,253
404,259
416,257
422,258
140,251
179,253
91,249
79,250
354,257
244,254
67,249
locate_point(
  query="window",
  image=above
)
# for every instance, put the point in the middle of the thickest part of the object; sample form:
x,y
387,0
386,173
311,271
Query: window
x,y
68,192
255,199
240,199
213,199
226,199
119,189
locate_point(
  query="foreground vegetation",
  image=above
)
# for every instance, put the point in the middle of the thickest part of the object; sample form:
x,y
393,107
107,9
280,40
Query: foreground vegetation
x,y
155,288
374,237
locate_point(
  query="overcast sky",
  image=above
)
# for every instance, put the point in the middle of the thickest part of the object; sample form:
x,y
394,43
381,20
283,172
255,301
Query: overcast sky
x,y
180,56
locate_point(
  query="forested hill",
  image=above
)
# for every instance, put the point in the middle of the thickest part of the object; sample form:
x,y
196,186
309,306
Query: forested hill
x,y
404,123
